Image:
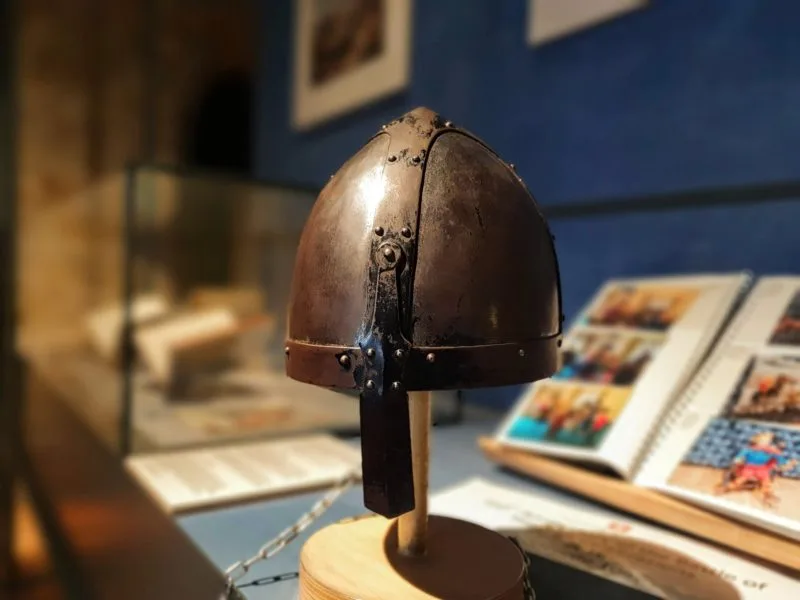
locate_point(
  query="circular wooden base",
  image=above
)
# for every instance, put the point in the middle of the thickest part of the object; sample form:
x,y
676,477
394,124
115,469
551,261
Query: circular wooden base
x,y
359,560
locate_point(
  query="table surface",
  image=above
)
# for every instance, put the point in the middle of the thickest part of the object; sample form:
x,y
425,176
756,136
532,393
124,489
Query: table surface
x,y
235,532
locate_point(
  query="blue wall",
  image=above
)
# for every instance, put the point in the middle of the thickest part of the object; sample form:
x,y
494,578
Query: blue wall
x,y
683,94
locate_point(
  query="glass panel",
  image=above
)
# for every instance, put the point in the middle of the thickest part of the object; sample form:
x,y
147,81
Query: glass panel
x,y
71,266
210,265
160,311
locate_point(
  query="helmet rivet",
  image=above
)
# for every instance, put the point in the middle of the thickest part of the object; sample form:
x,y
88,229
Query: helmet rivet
x,y
448,123
344,360
395,385
388,253
383,127
521,352
398,353
371,353
370,384
430,357
405,232
379,231
415,159
286,350
511,166
392,158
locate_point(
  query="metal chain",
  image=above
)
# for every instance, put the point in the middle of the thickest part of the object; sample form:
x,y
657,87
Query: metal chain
x,y
240,568
270,580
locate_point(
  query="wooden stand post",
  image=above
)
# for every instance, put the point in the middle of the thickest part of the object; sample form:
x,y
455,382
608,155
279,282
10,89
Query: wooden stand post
x,y
414,557
412,528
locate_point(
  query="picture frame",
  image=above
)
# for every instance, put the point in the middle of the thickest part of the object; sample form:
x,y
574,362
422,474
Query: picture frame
x,y
550,20
348,53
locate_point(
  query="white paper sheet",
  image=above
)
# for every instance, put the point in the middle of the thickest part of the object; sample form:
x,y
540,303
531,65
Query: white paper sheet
x,y
191,479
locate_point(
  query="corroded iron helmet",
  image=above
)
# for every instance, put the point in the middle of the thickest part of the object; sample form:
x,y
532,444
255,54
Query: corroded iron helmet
x,y
425,264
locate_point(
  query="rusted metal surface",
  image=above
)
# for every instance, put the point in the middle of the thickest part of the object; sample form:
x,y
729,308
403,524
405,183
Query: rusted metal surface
x,y
425,264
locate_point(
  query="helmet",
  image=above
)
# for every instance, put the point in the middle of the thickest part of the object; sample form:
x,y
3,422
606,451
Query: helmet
x,y
425,264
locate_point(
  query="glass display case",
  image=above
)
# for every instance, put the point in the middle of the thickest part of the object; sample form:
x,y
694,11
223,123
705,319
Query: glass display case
x,y
171,317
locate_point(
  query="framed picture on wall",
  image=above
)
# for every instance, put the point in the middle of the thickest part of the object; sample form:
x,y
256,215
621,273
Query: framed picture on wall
x,y
549,20
348,53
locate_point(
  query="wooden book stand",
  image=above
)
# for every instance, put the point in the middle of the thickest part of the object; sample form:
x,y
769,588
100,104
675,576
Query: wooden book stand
x,y
650,505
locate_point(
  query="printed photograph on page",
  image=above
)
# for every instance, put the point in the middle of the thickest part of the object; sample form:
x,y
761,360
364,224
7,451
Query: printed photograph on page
x,y
768,390
746,463
607,358
787,329
571,414
643,307
580,403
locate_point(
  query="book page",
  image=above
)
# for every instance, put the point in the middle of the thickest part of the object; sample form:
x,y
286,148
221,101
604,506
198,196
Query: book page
x,y
191,479
733,441
624,360
596,540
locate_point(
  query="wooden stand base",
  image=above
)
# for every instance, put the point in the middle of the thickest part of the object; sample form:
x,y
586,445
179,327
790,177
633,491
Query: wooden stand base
x,y
359,559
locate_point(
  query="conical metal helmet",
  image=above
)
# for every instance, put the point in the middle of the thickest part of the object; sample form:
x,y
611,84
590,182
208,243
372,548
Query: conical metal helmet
x,y
425,264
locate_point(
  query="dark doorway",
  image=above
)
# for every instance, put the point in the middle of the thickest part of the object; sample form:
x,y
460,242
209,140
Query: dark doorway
x,y
217,141
219,129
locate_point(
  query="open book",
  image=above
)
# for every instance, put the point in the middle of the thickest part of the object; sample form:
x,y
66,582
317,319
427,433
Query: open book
x,y
626,357
731,443
591,539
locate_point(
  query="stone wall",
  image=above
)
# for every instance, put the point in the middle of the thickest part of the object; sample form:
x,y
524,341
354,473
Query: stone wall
x,y
103,84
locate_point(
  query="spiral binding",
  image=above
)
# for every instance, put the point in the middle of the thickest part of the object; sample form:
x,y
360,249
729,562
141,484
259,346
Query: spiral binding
x,y
740,311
